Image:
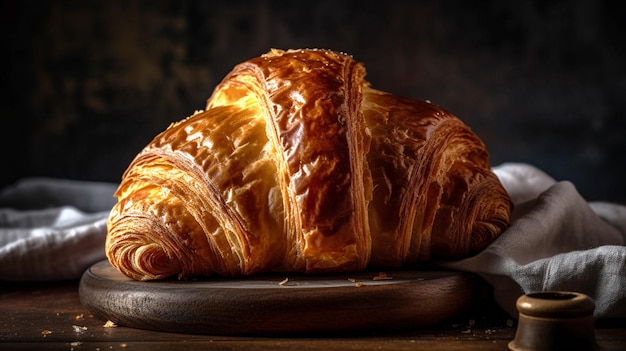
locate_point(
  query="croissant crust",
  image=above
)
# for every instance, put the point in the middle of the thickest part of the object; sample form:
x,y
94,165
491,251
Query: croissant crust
x,y
298,165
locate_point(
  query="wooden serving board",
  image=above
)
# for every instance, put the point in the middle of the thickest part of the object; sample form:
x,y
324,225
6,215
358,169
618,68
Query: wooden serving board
x,y
279,304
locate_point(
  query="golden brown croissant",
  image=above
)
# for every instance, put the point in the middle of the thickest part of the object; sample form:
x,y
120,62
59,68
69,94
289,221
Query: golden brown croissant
x,y
298,165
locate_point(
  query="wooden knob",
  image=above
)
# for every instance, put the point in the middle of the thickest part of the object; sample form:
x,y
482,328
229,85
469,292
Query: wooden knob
x,y
554,320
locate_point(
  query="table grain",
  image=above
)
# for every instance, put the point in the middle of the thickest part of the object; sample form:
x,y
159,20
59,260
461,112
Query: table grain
x,y
49,316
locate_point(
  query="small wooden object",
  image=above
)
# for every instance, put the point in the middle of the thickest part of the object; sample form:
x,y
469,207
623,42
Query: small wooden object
x,y
279,304
554,320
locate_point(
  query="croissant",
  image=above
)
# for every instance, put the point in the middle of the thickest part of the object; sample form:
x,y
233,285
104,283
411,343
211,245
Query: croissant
x,y
298,165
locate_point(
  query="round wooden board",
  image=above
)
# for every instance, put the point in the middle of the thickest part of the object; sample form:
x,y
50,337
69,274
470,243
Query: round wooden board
x,y
279,304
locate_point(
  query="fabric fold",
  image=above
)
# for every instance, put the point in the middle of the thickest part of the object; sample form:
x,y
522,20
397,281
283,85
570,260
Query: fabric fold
x,y
556,241
52,229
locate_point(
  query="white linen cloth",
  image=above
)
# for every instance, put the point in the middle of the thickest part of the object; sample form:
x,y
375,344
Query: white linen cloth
x,y
54,229
556,241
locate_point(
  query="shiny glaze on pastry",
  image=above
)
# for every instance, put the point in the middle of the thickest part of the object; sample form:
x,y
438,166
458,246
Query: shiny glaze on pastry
x,y
298,165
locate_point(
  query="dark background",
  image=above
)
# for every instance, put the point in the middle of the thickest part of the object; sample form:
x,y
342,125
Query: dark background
x,y
86,84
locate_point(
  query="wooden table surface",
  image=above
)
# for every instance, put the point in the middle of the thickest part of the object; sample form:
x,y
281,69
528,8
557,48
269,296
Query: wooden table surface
x,y
49,316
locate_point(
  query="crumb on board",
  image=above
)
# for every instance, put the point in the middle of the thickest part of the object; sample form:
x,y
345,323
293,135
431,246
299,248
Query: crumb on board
x,y
80,316
382,276
110,324
284,282
357,283
46,332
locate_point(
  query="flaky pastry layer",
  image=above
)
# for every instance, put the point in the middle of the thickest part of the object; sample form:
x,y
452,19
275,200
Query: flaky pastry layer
x,y
298,165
